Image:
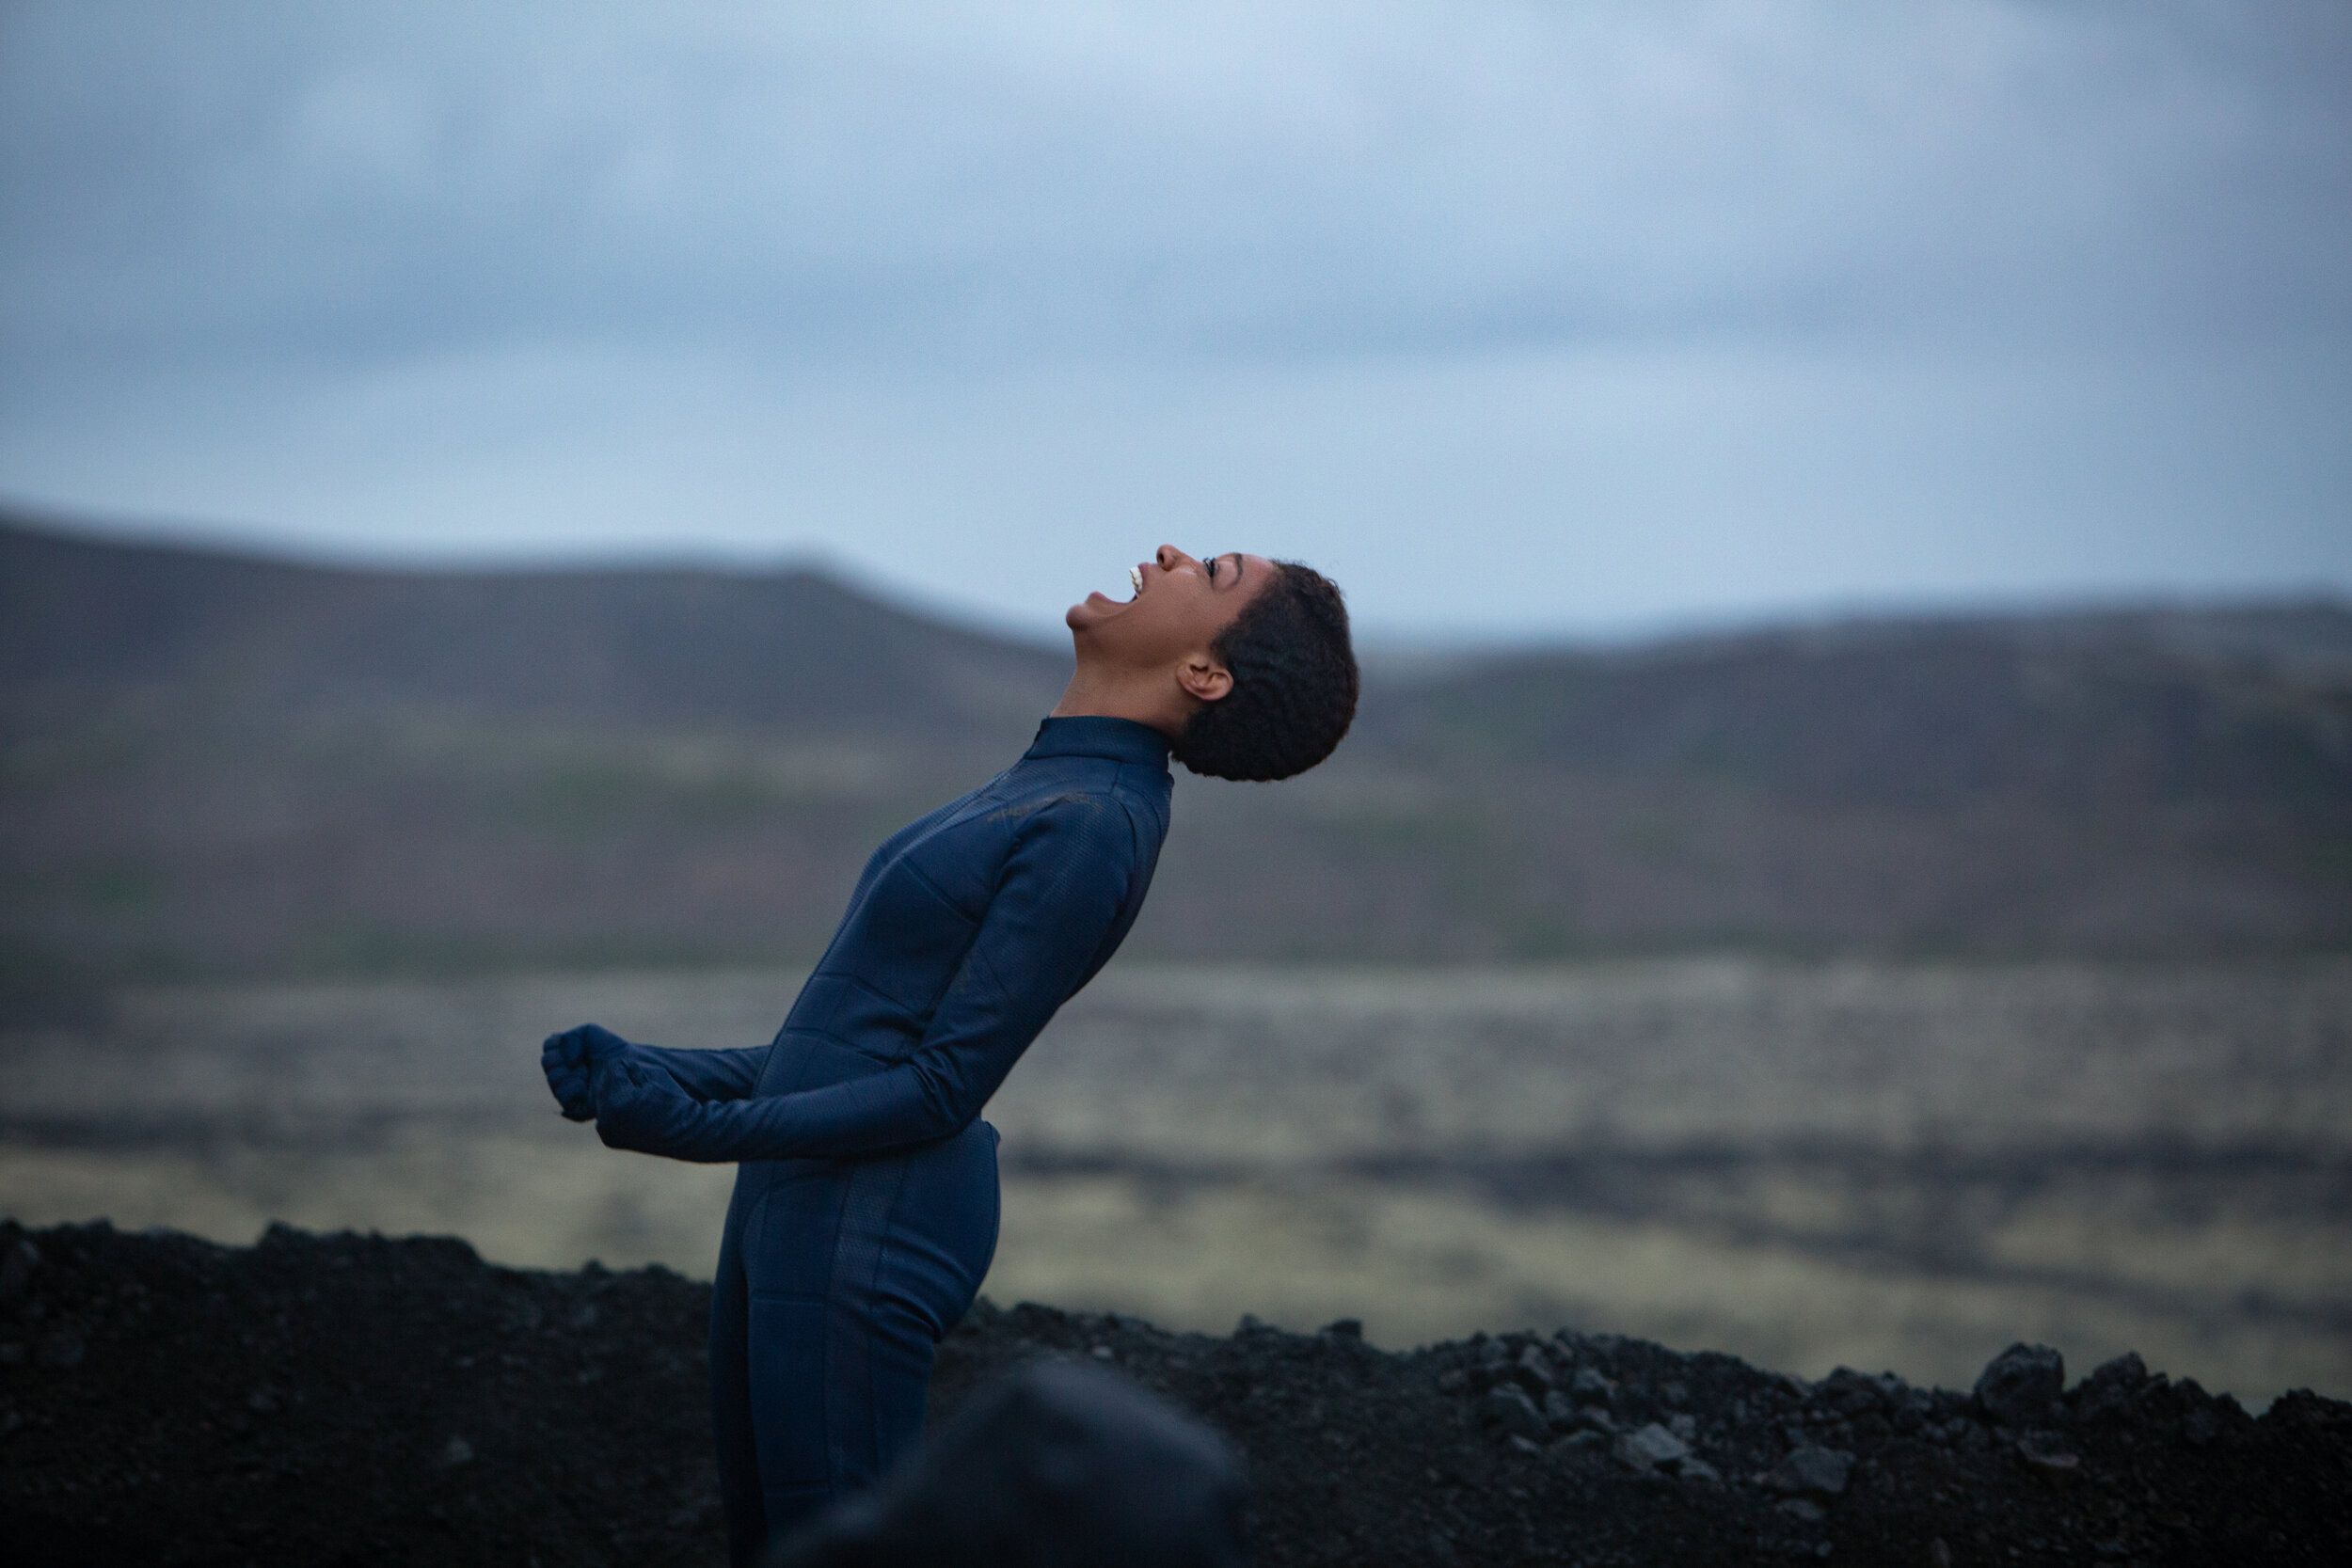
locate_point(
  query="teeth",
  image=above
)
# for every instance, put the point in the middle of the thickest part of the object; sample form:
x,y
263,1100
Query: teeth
x,y
1135,578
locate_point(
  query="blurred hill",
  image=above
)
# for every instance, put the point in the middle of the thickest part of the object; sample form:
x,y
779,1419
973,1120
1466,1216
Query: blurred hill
x,y
220,764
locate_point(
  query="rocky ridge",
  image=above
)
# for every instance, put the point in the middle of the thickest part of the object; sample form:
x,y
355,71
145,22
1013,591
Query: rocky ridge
x,y
358,1399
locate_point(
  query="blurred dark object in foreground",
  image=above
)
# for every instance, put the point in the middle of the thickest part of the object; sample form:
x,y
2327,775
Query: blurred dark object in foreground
x,y
213,766
1058,1467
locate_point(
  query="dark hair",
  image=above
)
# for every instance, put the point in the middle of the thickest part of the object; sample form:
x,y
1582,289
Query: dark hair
x,y
1293,683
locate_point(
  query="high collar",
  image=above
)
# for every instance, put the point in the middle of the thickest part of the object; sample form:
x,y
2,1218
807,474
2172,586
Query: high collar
x,y
1094,736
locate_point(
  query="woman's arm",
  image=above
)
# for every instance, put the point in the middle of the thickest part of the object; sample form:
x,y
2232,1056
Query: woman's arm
x,y
709,1075
1057,900
574,1059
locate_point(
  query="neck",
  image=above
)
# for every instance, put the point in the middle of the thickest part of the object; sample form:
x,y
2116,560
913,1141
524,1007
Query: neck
x,y
1146,697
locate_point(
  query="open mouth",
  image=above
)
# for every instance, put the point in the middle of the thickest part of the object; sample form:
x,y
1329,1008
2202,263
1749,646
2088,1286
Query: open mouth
x,y
1134,591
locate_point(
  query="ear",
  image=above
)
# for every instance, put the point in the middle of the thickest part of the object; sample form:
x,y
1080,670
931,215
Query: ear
x,y
1204,678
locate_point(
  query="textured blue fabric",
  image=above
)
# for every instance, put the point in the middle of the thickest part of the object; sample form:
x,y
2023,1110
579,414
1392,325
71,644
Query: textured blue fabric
x,y
865,1211
570,1057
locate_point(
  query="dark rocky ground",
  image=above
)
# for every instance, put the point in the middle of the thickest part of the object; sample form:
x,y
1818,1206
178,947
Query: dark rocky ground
x,y
358,1399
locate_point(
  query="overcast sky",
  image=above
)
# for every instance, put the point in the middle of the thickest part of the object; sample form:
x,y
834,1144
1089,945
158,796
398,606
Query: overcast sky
x,y
1515,317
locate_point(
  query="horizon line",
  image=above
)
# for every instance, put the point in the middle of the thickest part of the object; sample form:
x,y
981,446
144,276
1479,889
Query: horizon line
x,y
1385,641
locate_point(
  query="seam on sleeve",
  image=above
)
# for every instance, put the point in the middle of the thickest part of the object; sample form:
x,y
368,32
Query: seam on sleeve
x,y
937,892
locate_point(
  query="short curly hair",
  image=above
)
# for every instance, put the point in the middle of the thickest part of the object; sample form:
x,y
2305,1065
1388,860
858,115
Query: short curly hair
x,y
1294,683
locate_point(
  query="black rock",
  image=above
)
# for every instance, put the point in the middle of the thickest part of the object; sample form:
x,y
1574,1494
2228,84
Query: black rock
x,y
1812,1468
1653,1446
1852,1393
1493,1366
2020,1386
2047,1450
16,1269
1508,1406
1463,1468
2110,1390
2200,1427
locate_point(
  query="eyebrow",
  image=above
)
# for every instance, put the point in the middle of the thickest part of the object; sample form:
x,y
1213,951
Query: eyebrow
x,y
1237,566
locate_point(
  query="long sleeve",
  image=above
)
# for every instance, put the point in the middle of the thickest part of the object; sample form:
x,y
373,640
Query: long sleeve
x,y
1055,908
708,1075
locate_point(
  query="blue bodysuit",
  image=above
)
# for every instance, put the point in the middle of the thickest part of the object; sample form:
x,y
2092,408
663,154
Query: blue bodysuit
x,y
865,1213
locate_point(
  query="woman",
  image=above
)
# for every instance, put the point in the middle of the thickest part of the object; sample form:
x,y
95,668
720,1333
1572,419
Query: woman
x,y
865,1213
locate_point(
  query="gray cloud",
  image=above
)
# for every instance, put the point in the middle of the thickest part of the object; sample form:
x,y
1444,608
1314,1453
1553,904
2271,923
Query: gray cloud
x,y
217,220
293,179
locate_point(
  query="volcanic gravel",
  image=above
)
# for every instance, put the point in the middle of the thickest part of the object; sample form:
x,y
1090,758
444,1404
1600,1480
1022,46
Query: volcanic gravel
x,y
359,1400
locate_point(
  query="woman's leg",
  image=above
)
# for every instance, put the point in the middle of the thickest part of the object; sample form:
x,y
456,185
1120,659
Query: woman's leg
x,y
731,1400
789,1243
855,1272
940,1238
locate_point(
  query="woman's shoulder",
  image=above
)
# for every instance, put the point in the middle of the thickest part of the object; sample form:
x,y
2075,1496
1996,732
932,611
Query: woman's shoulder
x,y
1100,802
1077,807
1077,786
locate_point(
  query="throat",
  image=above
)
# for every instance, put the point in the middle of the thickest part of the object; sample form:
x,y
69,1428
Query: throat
x,y
1102,694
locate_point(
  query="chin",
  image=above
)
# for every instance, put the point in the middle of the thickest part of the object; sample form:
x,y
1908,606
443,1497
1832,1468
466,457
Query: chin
x,y
1090,611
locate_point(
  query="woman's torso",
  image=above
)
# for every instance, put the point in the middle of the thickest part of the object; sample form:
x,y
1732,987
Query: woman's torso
x,y
925,892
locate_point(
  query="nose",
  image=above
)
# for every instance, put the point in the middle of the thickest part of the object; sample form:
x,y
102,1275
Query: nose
x,y
1167,558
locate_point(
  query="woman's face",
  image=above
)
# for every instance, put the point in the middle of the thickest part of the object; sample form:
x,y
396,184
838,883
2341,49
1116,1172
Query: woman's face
x,y
1177,607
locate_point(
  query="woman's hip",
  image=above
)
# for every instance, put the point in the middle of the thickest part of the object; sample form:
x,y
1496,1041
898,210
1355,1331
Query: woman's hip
x,y
910,1232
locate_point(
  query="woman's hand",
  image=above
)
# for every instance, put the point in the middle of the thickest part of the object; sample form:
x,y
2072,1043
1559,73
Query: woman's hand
x,y
636,1106
572,1061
